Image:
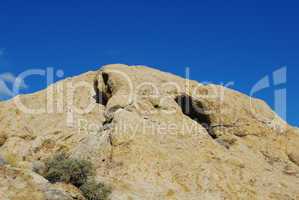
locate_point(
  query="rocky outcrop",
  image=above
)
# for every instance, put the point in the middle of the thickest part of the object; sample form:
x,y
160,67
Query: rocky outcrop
x,y
153,135
24,184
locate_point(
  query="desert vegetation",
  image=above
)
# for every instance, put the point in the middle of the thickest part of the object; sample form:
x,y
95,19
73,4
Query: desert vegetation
x,y
79,173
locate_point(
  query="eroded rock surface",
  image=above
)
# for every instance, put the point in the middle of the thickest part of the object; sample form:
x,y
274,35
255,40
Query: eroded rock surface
x,y
153,135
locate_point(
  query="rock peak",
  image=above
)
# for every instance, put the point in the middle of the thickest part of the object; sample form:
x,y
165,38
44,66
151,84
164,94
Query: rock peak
x,y
150,135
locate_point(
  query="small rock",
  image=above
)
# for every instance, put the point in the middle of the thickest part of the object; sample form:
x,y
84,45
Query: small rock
x,y
290,170
294,157
3,139
54,194
2,161
38,167
68,190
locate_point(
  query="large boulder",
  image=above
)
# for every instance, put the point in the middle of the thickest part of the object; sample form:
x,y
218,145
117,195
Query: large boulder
x,y
152,135
21,184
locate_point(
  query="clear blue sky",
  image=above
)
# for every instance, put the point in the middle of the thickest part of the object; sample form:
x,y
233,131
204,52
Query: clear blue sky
x,y
220,41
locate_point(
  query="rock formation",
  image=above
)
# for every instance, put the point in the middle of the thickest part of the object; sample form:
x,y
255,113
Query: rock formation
x,y
150,135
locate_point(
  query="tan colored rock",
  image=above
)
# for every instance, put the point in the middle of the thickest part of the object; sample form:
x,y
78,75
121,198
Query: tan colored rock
x,y
3,138
146,145
20,184
60,190
293,145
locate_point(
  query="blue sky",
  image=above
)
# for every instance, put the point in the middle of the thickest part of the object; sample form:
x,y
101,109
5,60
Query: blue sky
x,y
221,41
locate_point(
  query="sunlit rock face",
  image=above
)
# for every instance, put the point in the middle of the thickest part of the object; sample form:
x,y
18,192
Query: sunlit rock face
x,y
150,135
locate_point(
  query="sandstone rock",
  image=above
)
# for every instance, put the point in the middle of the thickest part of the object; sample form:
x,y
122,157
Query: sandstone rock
x,y
3,139
2,161
18,184
66,191
293,145
38,167
54,194
153,135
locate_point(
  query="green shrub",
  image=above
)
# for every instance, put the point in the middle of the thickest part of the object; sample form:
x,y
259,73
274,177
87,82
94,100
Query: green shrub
x,y
63,169
95,191
80,173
